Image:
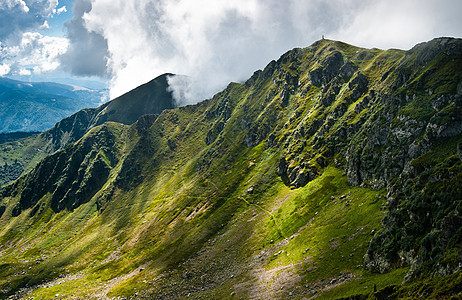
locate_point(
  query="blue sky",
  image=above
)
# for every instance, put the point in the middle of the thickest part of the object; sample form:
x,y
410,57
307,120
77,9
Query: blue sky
x,y
125,43
56,21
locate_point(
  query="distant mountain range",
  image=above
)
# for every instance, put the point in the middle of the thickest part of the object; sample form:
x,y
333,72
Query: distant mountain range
x,y
37,106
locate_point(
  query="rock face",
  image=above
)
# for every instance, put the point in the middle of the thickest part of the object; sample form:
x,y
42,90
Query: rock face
x,y
72,176
9,172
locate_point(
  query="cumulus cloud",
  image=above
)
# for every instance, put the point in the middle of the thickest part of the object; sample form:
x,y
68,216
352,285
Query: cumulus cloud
x,y
402,23
87,52
215,42
19,16
34,53
186,89
212,42
4,69
9,4
23,50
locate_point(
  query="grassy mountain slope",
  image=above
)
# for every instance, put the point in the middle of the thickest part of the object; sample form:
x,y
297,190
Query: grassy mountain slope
x,y
333,172
22,154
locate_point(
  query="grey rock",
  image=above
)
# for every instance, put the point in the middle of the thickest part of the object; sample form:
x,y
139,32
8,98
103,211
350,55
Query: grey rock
x,y
300,180
282,167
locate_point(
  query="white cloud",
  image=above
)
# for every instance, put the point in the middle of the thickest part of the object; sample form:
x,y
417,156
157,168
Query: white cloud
x,y
4,69
44,26
19,16
215,42
35,51
24,72
9,4
60,10
186,89
131,56
23,6
402,23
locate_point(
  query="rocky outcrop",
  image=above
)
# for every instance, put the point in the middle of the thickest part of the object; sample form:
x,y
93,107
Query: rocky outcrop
x,y
69,130
383,134
9,172
72,176
329,69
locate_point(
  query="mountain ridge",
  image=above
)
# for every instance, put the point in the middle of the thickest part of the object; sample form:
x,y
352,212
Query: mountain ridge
x,y
330,158
149,98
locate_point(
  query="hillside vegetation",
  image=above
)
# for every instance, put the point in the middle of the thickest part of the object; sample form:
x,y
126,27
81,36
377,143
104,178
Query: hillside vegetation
x,y
19,155
334,172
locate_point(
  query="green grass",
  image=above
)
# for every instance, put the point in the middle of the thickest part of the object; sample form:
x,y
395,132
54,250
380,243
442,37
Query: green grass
x,y
418,109
187,205
332,230
364,284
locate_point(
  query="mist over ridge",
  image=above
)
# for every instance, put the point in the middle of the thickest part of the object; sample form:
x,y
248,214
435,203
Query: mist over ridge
x,y
221,42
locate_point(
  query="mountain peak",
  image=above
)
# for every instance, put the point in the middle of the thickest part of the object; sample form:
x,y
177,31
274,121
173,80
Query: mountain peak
x,y
150,98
